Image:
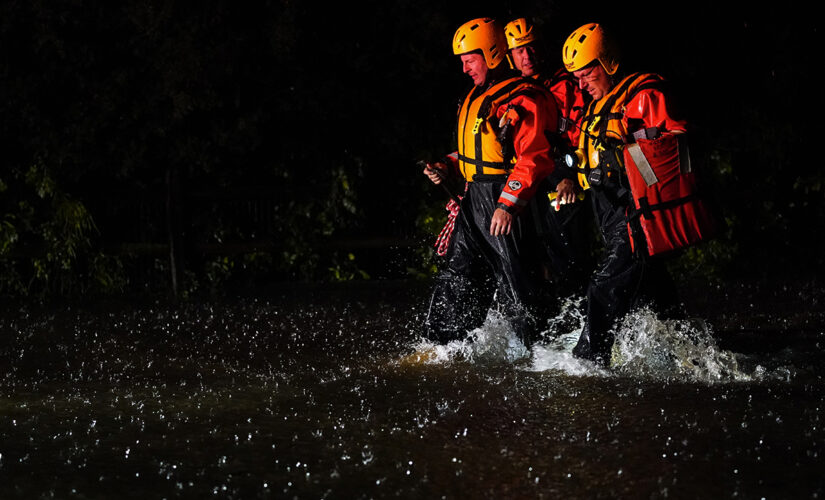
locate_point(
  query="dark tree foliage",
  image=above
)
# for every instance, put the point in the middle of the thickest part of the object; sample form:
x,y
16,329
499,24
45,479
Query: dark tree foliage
x,y
322,109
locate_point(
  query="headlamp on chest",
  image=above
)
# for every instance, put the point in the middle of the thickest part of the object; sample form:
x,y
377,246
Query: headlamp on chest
x,y
574,159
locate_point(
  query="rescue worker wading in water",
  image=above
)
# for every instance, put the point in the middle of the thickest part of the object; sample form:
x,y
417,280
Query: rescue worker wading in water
x,y
627,112
503,154
567,230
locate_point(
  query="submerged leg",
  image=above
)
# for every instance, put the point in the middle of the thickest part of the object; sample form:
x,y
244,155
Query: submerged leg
x,y
463,290
613,287
455,307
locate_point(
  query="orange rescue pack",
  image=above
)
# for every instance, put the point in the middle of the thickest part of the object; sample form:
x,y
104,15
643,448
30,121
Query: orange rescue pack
x,y
665,195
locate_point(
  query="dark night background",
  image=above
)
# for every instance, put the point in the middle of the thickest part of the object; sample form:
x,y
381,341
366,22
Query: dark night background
x,y
276,141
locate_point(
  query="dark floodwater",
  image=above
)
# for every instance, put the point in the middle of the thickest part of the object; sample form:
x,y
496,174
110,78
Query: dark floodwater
x,y
332,395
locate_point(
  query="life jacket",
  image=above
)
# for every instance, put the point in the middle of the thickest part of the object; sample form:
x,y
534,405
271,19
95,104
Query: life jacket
x,y
666,212
482,155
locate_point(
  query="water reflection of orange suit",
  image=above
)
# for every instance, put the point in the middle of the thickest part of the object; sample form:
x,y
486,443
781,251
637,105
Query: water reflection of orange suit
x,y
479,264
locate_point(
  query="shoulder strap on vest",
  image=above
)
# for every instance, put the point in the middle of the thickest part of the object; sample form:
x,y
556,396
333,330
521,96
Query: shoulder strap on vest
x,y
611,101
487,103
605,111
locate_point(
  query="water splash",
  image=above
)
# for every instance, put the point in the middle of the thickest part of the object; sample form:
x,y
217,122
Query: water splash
x,y
557,356
555,352
647,346
497,341
569,320
494,341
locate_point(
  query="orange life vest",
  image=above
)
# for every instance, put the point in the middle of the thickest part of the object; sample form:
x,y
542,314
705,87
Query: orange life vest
x,y
525,108
479,148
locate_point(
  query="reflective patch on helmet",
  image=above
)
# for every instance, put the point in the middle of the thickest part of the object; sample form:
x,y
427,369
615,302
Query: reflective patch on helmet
x,y
514,185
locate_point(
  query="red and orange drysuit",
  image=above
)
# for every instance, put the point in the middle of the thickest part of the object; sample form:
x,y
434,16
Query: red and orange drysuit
x,y
570,101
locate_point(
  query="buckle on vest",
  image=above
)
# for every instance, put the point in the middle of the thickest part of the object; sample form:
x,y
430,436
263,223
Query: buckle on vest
x,y
477,125
565,124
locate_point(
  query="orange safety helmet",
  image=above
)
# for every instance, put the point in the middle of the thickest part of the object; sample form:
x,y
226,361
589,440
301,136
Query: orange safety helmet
x,y
519,32
482,34
587,44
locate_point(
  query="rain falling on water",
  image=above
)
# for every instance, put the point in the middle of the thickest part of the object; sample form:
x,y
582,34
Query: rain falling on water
x,y
328,396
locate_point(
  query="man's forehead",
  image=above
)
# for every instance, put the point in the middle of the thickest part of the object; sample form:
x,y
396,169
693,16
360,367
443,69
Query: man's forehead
x,y
470,56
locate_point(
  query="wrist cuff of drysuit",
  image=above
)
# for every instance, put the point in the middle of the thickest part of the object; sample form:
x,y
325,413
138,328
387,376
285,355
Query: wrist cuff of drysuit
x,y
452,166
512,210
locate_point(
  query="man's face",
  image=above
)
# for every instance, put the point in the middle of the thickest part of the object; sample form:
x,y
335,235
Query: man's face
x,y
595,80
474,65
525,59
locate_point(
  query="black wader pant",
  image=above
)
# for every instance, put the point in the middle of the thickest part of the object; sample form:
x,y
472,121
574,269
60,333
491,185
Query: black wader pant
x,y
479,265
621,281
566,236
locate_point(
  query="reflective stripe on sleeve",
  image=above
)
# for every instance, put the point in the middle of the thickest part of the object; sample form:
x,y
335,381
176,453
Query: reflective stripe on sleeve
x,y
513,199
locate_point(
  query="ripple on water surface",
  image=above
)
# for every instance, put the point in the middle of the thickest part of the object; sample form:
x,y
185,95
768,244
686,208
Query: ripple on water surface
x,y
262,399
